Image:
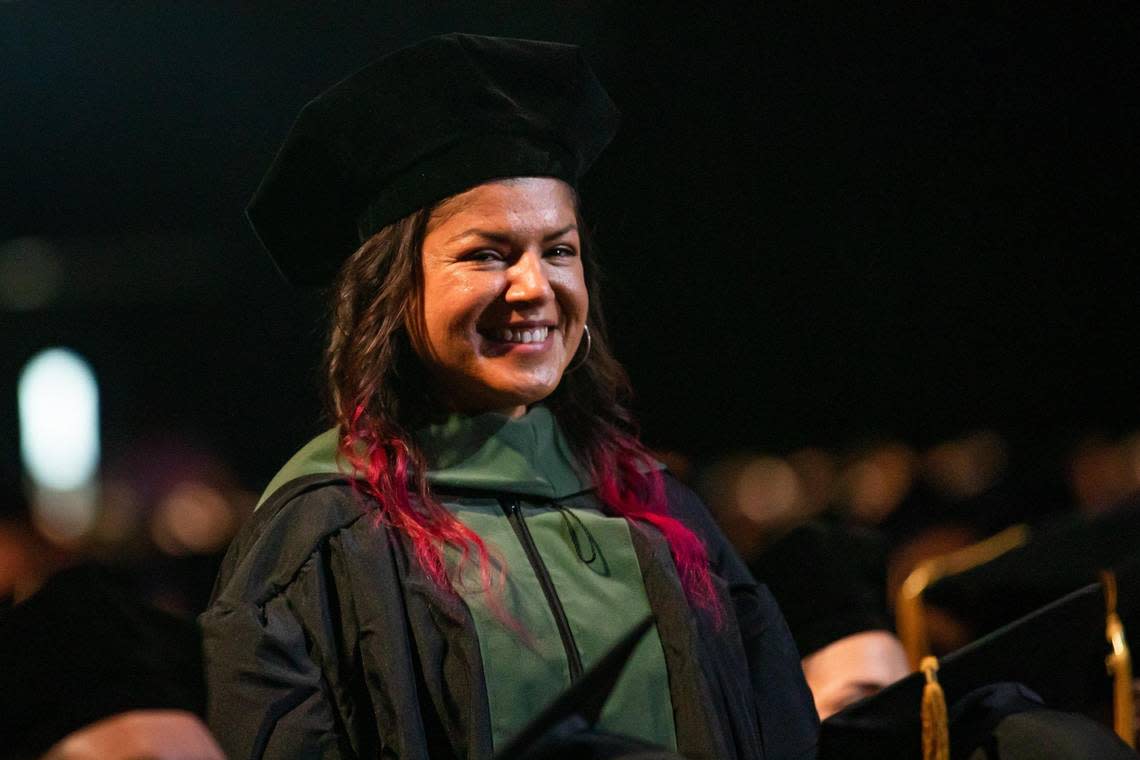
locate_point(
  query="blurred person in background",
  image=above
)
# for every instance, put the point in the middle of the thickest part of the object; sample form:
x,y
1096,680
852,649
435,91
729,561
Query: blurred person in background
x,y
88,669
829,581
483,523
928,504
828,577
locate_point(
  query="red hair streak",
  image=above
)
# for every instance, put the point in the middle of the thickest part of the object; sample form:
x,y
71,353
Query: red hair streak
x,y
628,483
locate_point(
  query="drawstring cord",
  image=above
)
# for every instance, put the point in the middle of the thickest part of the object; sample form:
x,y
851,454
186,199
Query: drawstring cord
x,y
566,514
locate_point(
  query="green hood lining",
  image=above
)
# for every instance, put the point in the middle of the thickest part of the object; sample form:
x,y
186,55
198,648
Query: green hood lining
x,y
526,456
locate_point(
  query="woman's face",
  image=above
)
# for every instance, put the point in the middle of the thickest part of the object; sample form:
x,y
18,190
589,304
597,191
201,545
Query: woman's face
x,y
504,294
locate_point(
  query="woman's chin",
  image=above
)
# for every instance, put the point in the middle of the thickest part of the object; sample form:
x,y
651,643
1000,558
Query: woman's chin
x,y
517,397
500,383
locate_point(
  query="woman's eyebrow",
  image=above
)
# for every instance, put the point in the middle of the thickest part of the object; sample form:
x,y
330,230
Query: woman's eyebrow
x,y
503,237
559,233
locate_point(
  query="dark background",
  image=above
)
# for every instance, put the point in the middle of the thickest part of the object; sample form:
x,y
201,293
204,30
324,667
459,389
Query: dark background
x,y
819,222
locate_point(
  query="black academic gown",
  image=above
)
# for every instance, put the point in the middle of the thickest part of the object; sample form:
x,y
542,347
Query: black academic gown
x,y
325,639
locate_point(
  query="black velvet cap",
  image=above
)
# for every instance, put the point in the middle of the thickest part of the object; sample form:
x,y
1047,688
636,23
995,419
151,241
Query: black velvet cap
x,y
1053,658
417,126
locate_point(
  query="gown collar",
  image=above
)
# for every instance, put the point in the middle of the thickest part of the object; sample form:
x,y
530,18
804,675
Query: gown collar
x,y
526,456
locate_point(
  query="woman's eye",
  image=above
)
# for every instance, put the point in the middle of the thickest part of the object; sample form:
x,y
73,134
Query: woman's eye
x,y
485,255
562,250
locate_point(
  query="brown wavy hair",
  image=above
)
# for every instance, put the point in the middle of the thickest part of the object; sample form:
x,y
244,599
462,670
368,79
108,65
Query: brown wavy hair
x,y
378,393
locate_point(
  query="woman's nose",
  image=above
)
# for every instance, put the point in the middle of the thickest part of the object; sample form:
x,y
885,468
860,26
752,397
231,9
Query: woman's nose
x,y
528,281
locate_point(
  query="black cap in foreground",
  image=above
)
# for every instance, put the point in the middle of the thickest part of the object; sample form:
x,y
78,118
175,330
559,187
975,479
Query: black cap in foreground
x,y
1053,658
417,126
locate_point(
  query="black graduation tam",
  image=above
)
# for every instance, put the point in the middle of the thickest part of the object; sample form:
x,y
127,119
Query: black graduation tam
x,y
1059,558
417,126
1051,660
829,580
565,728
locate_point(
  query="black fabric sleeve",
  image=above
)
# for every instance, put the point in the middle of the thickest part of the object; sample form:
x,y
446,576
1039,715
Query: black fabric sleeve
x,y
266,697
788,721
267,694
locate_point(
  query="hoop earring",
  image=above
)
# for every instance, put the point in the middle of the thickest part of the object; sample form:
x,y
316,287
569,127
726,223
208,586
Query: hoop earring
x,y
589,345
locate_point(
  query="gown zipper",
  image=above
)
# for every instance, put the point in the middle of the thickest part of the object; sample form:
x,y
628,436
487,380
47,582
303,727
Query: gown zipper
x,y
514,515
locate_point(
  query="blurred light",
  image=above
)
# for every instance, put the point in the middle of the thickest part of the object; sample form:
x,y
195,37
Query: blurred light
x,y
878,480
755,498
59,420
767,491
817,471
1100,474
64,516
30,274
966,467
193,518
119,511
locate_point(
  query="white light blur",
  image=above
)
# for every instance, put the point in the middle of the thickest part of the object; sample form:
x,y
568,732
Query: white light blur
x,y
59,420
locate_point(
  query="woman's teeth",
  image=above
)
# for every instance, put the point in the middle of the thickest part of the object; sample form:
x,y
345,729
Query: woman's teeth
x,y
533,335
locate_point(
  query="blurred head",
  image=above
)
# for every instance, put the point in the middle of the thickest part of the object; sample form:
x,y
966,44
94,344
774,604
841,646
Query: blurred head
x,y
853,667
503,296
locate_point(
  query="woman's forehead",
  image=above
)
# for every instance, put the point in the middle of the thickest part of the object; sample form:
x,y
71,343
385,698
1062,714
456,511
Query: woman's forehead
x,y
512,203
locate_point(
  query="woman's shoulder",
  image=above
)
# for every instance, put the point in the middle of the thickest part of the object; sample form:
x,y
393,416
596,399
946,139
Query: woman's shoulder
x,y
297,520
309,496
687,506
320,456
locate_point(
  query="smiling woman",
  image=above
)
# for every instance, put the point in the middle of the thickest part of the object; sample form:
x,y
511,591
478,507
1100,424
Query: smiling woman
x,y
504,294
481,525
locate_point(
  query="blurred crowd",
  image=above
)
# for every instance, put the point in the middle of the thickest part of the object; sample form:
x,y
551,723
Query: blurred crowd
x,y
162,515
837,534
917,502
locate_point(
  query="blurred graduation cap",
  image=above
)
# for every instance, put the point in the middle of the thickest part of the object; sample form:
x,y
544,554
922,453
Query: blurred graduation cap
x,y
1001,696
562,730
1045,565
829,580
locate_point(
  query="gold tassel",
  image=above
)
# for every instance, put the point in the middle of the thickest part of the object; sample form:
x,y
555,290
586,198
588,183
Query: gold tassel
x,y
935,722
1119,663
